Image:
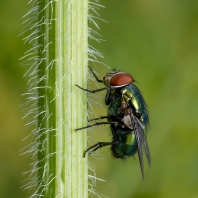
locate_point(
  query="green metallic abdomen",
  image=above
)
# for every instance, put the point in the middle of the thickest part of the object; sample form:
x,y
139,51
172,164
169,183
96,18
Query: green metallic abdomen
x,y
127,145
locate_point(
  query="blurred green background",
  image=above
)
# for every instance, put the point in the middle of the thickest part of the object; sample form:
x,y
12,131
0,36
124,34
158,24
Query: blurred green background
x,y
157,42
12,86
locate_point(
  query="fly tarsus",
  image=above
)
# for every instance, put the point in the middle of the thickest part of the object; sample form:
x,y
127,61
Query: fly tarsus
x,y
100,81
97,146
91,91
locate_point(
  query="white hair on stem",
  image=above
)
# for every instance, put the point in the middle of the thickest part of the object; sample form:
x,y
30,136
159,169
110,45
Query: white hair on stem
x,y
33,23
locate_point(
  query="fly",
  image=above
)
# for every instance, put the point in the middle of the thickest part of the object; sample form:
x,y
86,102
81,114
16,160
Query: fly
x,y
127,116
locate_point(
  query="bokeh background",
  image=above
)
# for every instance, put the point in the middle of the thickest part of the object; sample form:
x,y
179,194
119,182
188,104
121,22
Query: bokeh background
x,y
157,42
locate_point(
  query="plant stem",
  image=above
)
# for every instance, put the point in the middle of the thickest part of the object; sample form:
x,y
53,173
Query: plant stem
x,y
61,63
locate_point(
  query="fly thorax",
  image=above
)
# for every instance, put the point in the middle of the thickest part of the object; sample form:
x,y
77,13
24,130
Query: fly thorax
x,y
126,94
135,104
123,104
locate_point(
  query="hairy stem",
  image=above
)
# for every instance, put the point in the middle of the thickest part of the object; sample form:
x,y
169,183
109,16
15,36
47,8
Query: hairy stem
x,y
61,63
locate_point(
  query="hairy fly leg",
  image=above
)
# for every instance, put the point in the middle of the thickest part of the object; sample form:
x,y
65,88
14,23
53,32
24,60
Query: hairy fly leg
x,y
97,146
91,91
102,144
95,124
99,118
100,81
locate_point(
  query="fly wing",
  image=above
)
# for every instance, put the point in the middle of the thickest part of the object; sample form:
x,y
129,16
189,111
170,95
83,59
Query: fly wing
x,y
146,149
141,142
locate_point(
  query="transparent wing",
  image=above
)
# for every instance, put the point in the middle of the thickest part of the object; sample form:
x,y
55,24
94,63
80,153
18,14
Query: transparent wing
x,y
141,142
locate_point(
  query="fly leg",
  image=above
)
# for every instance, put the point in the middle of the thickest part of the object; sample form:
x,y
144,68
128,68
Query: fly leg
x,y
91,91
108,117
102,144
97,146
101,117
100,81
95,124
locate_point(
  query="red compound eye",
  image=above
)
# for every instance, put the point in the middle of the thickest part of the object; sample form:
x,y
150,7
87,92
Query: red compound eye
x,y
121,79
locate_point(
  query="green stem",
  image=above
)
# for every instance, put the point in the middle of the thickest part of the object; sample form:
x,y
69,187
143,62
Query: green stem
x,y
62,63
